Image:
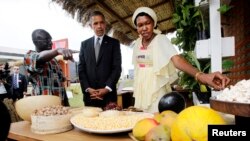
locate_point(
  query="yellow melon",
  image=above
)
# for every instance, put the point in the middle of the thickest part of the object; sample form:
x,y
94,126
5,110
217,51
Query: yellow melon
x,y
192,123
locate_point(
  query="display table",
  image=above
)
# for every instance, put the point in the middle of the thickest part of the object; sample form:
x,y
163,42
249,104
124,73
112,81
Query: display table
x,y
125,99
125,93
21,131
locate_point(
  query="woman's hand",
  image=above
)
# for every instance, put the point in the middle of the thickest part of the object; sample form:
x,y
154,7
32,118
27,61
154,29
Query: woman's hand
x,y
215,80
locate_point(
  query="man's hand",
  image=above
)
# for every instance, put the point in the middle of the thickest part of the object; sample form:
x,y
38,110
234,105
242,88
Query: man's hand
x,y
66,53
102,92
94,94
215,80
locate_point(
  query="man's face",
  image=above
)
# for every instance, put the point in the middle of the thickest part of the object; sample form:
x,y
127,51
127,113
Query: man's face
x,y
43,41
16,69
98,25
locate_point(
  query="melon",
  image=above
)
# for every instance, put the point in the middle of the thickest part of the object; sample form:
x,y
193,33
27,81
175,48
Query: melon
x,y
192,123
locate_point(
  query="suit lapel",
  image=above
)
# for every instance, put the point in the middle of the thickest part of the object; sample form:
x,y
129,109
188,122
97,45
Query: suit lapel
x,y
91,49
19,80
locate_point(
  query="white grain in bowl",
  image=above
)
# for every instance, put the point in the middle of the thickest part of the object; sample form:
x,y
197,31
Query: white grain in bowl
x,y
108,123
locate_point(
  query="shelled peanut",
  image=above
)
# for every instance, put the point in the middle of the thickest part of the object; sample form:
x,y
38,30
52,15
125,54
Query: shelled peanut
x,y
51,111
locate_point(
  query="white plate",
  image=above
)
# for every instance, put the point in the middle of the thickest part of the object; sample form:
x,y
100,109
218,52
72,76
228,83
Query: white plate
x,y
76,118
103,131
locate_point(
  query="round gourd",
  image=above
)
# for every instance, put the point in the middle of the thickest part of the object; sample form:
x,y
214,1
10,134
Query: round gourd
x,y
26,106
172,101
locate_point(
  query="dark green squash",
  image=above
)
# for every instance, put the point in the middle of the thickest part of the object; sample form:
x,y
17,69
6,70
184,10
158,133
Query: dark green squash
x,y
172,101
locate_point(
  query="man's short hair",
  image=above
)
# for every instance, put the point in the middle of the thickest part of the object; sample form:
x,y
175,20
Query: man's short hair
x,y
39,33
96,13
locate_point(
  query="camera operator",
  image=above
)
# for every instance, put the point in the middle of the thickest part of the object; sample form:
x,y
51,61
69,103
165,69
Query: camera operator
x,y
5,82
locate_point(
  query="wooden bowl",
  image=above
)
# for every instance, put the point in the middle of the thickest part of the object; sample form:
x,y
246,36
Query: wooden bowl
x,y
234,108
26,106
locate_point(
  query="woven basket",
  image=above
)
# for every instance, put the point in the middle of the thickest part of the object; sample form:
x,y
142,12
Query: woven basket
x,y
50,124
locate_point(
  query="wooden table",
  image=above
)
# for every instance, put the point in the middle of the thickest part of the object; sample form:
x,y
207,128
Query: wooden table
x,y
21,131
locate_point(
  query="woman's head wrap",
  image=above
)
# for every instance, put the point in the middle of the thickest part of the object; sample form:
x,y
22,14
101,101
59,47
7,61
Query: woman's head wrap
x,y
146,10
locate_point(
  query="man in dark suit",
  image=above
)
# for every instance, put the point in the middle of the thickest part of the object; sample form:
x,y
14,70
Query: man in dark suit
x,y
99,64
19,84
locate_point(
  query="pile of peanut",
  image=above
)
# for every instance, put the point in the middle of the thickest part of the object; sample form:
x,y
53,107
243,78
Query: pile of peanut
x,y
51,111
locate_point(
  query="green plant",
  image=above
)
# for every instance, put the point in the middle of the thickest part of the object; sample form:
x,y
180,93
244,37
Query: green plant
x,y
189,20
189,82
224,8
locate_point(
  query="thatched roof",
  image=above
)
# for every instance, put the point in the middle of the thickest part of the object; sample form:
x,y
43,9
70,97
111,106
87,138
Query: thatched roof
x,y
118,14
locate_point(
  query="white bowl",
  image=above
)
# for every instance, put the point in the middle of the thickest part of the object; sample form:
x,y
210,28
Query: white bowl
x,y
91,111
111,113
50,124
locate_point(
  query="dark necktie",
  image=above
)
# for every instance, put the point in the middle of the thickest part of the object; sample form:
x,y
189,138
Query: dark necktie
x,y
15,81
97,48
